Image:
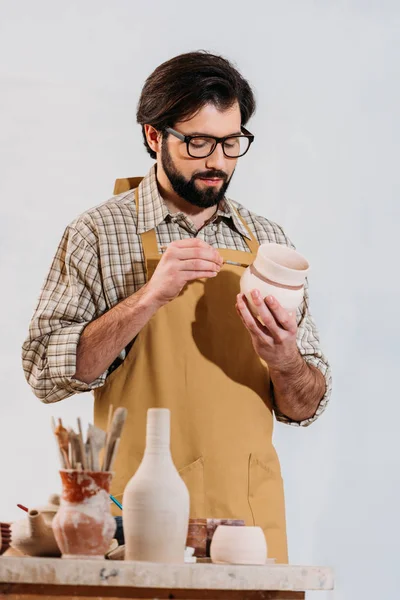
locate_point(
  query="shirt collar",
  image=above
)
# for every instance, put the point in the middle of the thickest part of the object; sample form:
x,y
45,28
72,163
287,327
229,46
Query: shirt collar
x,y
153,210
227,209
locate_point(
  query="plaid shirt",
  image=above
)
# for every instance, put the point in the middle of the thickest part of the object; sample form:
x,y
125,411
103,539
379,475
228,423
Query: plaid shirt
x,y
100,262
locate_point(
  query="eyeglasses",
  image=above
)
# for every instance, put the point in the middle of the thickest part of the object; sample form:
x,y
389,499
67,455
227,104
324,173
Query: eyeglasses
x,y
200,146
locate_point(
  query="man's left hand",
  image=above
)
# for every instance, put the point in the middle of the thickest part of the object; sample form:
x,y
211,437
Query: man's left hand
x,y
274,339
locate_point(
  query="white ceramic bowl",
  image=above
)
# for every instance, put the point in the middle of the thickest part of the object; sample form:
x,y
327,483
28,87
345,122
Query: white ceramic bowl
x,y
277,271
238,546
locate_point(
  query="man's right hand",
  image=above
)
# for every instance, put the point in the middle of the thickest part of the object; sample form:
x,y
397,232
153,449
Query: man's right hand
x,y
182,262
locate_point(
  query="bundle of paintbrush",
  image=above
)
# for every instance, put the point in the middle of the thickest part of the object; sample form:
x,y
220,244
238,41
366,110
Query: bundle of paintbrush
x,y
98,452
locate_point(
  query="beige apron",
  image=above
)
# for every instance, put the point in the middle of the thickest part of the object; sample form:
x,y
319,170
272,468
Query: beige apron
x,y
195,357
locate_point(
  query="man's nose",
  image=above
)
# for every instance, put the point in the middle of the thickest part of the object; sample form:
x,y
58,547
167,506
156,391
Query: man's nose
x,y
217,160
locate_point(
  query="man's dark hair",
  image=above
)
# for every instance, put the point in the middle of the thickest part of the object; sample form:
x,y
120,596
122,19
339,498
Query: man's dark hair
x,y
180,87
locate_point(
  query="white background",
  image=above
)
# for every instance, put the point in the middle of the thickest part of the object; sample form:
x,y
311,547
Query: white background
x,y
324,165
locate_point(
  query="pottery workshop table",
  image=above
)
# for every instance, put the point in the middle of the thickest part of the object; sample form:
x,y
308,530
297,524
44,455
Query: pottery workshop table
x,y
45,578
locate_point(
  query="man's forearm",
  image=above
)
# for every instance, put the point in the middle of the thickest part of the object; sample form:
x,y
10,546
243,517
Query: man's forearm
x,y
298,389
103,339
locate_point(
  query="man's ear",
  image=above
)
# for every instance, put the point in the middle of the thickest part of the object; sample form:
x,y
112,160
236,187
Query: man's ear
x,y
153,137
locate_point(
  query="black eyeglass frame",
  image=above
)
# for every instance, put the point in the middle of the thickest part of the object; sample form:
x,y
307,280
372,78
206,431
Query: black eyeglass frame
x,y
188,138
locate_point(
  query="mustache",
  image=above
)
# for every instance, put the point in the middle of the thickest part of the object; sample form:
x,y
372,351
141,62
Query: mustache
x,y
211,175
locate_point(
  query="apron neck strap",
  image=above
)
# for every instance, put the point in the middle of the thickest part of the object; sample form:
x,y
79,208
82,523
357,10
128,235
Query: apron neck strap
x,y
149,238
252,242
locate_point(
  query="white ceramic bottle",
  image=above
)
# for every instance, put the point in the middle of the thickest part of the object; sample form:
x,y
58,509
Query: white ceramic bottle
x,y
156,500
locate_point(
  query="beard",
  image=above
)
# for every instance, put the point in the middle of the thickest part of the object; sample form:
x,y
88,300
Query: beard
x,y
187,189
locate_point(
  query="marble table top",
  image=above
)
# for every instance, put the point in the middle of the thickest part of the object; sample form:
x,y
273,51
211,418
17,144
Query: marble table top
x,y
58,571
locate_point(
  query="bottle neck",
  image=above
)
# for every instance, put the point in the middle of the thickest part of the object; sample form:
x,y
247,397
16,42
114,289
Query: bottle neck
x,y
158,432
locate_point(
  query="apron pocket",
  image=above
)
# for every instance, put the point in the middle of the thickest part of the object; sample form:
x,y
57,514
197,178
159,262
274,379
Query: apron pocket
x,y
193,476
266,495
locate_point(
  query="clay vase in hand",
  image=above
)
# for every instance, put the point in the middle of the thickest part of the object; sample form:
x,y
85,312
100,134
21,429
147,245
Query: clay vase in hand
x,y
277,271
84,527
156,500
239,546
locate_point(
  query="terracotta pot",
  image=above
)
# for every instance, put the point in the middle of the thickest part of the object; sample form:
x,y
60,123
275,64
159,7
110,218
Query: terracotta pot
x,y
84,526
156,500
239,546
5,537
277,271
197,537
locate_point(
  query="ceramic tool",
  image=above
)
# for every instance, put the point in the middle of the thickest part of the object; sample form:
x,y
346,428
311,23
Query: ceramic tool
x,y
63,442
118,422
114,454
97,439
81,444
77,454
108,432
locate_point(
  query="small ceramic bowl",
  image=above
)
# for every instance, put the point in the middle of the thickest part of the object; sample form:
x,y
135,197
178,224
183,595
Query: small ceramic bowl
x,y
277,271
239,546
212,525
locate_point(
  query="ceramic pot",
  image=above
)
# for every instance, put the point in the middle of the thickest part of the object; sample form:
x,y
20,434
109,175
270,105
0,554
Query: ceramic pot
x,y
5,537
277,271
239,546
84,527
212,525
197,537
156,500
33,535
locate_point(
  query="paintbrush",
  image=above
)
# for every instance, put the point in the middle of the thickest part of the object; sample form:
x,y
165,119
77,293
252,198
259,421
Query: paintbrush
x,y
75,448
81,445
108,430
225,262
113,454
114,433
63,441
97,440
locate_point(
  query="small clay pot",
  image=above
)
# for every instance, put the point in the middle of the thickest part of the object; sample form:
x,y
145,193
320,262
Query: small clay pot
x,y
5,537
33,535
83,526
277,271
197,537
201,531
212,525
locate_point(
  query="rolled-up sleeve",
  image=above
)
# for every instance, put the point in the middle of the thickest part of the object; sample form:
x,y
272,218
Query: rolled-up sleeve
x,y
71,297
308,343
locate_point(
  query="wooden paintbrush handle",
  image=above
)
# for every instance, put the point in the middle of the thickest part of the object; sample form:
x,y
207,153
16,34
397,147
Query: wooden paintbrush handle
x,y
114,452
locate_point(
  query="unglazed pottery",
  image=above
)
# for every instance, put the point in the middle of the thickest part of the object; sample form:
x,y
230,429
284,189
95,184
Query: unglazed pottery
x,y
212,525
34,535
239,546
277,271
156,500
84,527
